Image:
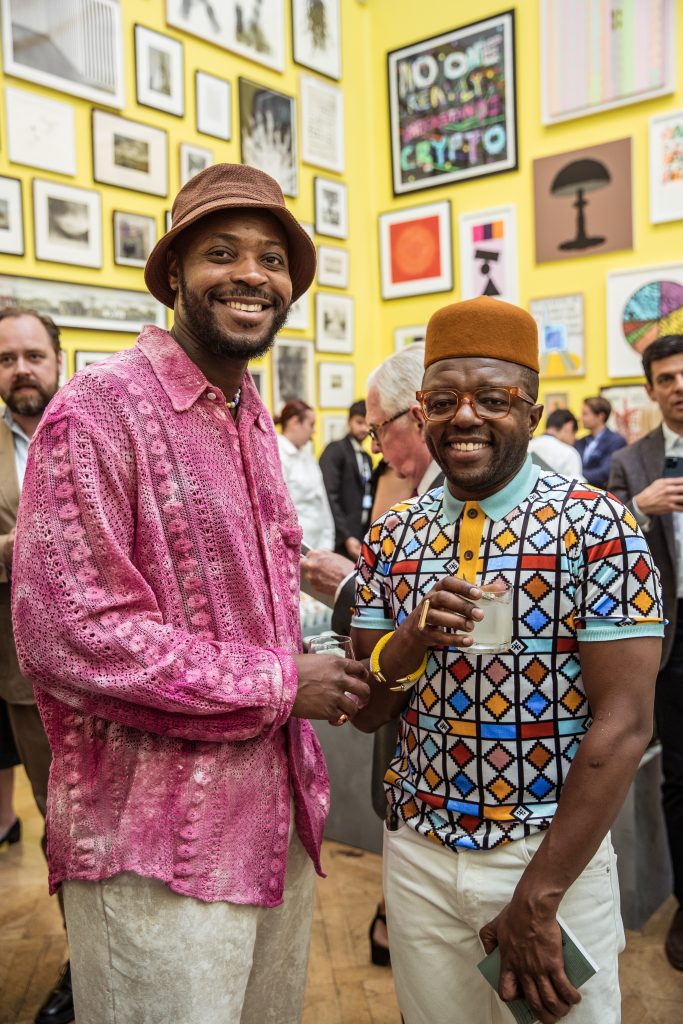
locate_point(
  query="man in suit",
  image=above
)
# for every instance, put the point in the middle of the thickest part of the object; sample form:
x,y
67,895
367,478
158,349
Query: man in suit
x,y
639,479
30,359
598,446
347,472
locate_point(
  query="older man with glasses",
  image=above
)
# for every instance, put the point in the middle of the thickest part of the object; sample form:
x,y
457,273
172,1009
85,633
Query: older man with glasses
x,y
515,756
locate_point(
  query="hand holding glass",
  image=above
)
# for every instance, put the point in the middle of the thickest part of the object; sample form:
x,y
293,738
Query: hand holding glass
x,y
341,646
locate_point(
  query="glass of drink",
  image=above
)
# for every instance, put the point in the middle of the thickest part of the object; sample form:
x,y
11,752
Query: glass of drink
x,y
493,633
341,646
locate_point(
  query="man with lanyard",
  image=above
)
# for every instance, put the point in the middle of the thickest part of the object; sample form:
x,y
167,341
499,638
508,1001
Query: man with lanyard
x,y
510,768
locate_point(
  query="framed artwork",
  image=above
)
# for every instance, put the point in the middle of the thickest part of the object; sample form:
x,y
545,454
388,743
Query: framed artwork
x,y
333,266
415,250
84,359
299,316
293,375
259,373
404,336
168,220
268,133
488,254
134,238
666,167
253,28
634,414
193,159
334,323
331,208
452,105
80,42
582,202
336,385
159,71
11,217
129,154
92,307
554,400
322,124
40,131
212,105
560,335
316,36
335,428
597,54
642,305
67,222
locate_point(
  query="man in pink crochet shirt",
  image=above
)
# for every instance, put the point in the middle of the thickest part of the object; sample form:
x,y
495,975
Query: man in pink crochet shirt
x,y
156,610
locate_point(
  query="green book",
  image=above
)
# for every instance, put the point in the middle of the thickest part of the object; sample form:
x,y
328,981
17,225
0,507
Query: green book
x,y
579,966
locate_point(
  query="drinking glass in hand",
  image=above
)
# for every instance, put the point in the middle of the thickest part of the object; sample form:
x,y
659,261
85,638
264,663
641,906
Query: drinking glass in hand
x,y
333,643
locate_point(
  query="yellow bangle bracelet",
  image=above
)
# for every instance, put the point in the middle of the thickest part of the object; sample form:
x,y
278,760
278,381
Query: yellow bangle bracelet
x,y
405,681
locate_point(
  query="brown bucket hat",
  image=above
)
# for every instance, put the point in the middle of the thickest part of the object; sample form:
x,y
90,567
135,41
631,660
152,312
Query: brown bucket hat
x,y
230,187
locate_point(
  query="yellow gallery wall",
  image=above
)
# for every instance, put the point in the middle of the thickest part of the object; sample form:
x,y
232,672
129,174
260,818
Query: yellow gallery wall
x,y
370,28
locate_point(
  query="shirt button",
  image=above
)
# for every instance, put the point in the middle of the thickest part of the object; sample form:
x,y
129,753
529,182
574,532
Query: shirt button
x,y
468,556
211,396
472,513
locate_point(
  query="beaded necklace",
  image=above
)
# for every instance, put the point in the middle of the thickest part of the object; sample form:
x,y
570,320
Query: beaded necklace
x,y
235,401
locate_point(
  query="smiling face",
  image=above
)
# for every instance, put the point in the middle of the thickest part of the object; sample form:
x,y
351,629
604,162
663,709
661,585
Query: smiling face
x,y
29,365
667,389
480,456
231,277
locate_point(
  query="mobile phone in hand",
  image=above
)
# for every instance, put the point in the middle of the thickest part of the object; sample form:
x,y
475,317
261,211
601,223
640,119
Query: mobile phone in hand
x,y
673,466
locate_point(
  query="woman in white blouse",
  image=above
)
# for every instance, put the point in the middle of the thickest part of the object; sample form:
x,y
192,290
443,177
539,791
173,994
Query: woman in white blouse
x,y
302,474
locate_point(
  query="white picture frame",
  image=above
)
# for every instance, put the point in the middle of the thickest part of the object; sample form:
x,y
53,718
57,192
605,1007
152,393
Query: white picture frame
x,y
135,236
159,71
642,304
193,160
322,124
334,323
561,335
293,372
333,266
86,34
316,36
213,105
493,232
67,223
84,358
405,336
416,250
41,131
666,167
335,428
331,208
129,154
260,373
336,385
11,217
253,28
299,315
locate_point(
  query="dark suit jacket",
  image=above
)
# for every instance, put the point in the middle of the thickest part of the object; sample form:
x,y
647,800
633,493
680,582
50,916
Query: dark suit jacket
x,y
596,468
345,489
633,469
14,687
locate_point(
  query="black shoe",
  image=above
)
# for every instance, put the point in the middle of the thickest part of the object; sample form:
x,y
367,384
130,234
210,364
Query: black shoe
x,y
58,1008
379,955
674,941
13,833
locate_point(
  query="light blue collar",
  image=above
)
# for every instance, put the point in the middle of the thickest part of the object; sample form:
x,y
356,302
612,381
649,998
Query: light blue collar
x,y
497,505
14,426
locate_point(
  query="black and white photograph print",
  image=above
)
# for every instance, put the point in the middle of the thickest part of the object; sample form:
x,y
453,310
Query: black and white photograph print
x,y
134,238
159,72
252,28
333,266
67,223
336,385
193,159
331,208
322,124
11,217
268,133
212,105
293,374
334,323
73,47
316,35
40,131
129,154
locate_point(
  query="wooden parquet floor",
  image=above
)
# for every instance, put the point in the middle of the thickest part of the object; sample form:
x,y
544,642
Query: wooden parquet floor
x,y
343,987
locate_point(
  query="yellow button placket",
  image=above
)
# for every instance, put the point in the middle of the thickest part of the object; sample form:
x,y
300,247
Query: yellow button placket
x,y
471,533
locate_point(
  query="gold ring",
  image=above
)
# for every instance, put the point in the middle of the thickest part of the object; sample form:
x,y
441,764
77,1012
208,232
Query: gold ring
x,y
342,719
423,617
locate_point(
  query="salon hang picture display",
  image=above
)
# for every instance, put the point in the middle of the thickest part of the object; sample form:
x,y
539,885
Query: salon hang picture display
x,y
316,36
68,224
452,106
583,202
159,71
268,133
253,28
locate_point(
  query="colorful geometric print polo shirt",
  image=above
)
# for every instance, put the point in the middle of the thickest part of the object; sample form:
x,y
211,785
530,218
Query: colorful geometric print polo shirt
x,y
486,741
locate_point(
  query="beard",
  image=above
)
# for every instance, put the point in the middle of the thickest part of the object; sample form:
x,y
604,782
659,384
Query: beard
x,y
507,455
33,404
202,322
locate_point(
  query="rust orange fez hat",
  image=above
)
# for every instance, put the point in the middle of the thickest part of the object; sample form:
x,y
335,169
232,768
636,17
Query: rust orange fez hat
x,y
483,327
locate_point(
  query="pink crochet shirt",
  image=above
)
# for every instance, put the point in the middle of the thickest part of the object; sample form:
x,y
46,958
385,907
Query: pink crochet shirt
x,y
156,610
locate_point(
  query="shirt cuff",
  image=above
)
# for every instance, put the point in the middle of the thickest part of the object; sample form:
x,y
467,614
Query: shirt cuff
x,y
592,635
644,522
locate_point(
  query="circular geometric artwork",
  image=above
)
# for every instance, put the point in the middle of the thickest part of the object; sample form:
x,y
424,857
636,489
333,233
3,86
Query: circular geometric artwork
x,y
652,312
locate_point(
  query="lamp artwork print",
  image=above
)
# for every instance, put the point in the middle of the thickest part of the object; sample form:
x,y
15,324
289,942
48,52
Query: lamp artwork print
x,y
577,178
488,254
583,202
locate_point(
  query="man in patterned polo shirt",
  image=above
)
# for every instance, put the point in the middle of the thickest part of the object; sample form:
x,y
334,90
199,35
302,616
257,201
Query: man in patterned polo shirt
x,y
510,767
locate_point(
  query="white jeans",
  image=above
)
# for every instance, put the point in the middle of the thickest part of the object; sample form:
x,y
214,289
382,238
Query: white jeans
x,y
142,954
437,900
